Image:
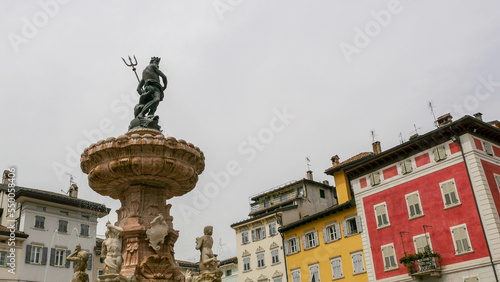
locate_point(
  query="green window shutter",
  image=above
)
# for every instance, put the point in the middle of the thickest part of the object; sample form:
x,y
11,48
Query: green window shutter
x,y
44,255
28,254
68,252
52,256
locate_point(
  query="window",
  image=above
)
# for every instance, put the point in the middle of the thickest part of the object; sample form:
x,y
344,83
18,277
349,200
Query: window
x,y
487,148
260,260
406,166
63,226
84,231
64,213
292,246
381,215
246,264
40,208
439,153
497,179
331,233
86,217
389,257
277,279
314,273
374,178
283,197
59,257
39,222
422,243
413,204
336,268
321,193
450,194
229,272
357,262
296,275
275,255
272,229
258,233
36,255
352,226
461,239
2,258
244,237
310,240
267,203
471,279
300,192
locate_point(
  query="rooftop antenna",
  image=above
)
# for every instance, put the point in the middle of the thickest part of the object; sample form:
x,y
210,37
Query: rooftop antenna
x,y
308,161
372,133
401,139
220,247
71,182
416,128
431,107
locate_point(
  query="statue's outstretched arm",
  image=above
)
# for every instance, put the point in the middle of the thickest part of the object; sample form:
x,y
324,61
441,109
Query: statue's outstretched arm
x,y
139,87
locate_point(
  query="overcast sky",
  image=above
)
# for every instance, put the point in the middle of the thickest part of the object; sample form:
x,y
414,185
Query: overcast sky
x,y
258,85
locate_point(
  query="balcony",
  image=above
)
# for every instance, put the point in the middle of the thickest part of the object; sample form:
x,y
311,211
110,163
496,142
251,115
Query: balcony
x,y
423,264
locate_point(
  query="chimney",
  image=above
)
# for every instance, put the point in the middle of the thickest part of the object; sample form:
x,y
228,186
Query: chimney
x,y
444,119
73,191
479,116
5,177
309,175
326,182
376,147
335,160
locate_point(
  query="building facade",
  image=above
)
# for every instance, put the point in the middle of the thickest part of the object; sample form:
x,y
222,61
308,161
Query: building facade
x,y
229,268
432,202
259,244
55,224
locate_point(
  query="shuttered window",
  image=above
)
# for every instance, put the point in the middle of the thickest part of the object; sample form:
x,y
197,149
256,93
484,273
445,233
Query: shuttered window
x,y
461,239
487,148
357,262
275,255
439,153
352,226
450,194
258,233
244,237
336,268
296,275
260,260
406,166
310,240
292,246
381,215
314,273
389,257
331,233
422,243
374,178
246,263
413,204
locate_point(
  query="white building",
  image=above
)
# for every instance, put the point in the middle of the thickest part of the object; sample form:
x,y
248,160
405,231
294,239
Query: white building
x,y
55,224
258,243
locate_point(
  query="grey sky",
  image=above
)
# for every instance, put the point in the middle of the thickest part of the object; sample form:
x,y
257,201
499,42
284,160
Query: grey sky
x,y
231,65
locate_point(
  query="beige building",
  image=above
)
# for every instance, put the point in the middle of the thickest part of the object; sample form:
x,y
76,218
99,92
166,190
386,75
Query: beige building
x,y
259,245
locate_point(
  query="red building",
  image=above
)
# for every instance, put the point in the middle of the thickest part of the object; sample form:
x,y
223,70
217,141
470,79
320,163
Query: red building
x,y
438,195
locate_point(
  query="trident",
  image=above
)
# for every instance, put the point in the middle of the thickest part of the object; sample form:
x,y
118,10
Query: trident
x,y
132,65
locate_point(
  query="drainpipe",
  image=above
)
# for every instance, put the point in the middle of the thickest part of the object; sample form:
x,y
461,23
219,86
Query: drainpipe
x,y
475,199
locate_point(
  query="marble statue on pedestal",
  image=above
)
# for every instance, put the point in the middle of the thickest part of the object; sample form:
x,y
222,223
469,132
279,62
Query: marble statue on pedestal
x,y
112,254
209,266
80,258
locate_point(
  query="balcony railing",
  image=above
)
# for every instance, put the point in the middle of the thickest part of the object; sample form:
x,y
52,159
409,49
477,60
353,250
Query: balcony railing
x,y
273,201
422,264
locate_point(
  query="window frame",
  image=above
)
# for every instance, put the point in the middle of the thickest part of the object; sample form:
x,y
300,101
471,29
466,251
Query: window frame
x,y
456,227
455,191
275,256
379,225
258,233
272,229
289,247
406,166
308,238
393,255
332,229
43,222
82,234
347,228
311,266
61,257
261,260
427,241
59,226
246,265
322,193
33,255
296,270
244,235
439,153
374,178
419,203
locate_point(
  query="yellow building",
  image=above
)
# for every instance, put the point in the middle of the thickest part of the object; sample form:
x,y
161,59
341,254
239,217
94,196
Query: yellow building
x,y
327,245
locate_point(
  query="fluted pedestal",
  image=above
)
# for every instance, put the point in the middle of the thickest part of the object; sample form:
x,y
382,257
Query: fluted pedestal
x,y
143,169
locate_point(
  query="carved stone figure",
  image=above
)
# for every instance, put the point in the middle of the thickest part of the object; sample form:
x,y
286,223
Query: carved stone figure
x,y
151,95
80,258
112,249
209,266
157,232
132,247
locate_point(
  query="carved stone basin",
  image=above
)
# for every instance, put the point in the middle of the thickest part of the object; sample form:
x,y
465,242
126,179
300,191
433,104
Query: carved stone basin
x,y
142,157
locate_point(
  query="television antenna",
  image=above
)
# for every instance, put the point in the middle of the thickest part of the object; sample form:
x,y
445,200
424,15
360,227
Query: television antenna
x,y
416,128
401,139
220,247
372,133
308,161
71,182
431,107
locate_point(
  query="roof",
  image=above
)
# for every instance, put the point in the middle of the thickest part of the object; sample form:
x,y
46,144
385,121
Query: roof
x,y
316,216
337,167
466,124
57,198
229,261
6,232
284,186
258,217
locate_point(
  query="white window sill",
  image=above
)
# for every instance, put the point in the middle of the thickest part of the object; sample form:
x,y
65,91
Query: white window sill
x,y
262,267
331,241
341,277
383,226
416,216
39,229
245,271
452,206
391,269
464,253
276,263
359,273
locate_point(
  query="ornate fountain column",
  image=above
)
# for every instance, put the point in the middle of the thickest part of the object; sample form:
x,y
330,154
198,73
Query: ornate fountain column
x,y
143,169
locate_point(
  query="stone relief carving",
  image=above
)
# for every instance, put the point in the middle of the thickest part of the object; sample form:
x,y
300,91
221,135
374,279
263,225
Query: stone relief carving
x,y
157,232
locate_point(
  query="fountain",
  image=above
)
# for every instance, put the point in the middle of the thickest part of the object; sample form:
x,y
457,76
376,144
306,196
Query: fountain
x,y
143,169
